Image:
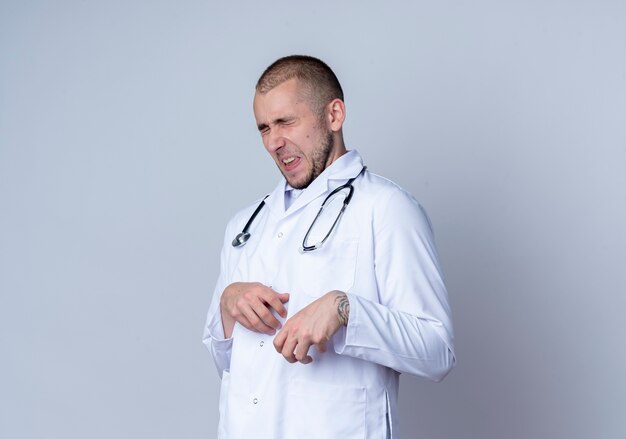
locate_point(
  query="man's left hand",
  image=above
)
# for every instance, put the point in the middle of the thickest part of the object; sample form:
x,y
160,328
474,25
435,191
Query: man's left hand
x,y
314,324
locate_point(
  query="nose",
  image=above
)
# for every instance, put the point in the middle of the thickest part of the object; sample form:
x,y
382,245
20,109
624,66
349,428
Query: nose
x,y
274,140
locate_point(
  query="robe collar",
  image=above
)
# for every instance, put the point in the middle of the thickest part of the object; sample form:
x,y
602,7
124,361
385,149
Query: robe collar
x,y
341,170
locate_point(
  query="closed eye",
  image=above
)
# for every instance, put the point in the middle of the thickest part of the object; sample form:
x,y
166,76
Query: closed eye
x,y
264,128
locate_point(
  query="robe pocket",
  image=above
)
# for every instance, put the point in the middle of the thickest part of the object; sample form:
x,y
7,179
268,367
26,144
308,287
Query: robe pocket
x,y
332,267
316,410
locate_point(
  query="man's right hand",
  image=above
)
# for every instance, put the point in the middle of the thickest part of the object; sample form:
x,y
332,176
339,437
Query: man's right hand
x,y
250,304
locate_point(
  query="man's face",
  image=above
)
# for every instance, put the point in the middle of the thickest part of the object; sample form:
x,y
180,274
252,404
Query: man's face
x,y
299,140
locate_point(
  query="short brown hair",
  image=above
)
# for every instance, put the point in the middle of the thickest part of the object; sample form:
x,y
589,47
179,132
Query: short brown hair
x,y
321,84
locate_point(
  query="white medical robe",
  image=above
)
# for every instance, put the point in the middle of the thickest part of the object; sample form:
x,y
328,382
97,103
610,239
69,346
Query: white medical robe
x,y
382,254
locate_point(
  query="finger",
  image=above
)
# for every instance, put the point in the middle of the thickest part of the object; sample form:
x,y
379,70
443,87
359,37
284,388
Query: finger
x,y
321,346
302,351
279,340
266,315
276,302
288,349
243,321
256,323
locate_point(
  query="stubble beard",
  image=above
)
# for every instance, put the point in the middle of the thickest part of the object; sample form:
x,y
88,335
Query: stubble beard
x,y
319,159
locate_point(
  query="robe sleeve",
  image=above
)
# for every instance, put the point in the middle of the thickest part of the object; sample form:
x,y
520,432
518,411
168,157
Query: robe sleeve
x,y
409,329
213,337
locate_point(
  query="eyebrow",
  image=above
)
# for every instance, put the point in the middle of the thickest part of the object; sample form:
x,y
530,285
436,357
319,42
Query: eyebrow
x,y
278,121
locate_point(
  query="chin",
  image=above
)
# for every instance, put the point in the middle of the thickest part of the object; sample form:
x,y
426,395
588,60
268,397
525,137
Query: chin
x,y
301,183
298,184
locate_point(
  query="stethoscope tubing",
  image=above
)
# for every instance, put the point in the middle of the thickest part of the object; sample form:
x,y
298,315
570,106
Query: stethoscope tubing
x,y
242,237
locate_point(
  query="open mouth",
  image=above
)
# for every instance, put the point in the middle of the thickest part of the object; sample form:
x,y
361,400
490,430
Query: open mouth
x,y
290,163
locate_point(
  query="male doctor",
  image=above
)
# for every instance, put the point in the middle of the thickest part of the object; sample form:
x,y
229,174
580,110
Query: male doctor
x,y
316,313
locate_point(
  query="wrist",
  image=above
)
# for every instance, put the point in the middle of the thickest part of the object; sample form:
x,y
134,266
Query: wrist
x,y
342,307
228,324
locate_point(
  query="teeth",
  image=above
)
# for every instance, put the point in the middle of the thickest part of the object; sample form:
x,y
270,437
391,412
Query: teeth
x,y
289,160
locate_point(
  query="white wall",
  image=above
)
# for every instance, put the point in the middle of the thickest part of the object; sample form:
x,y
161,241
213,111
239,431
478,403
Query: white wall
x,y
127,140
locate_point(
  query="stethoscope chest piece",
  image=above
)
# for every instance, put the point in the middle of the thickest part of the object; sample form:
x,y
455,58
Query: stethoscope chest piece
x,y
241,239
243,236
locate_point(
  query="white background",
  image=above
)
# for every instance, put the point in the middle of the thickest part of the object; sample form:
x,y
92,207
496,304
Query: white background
x,y
127,140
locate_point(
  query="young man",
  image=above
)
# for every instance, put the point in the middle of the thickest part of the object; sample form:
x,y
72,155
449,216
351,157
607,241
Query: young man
x,y
316,313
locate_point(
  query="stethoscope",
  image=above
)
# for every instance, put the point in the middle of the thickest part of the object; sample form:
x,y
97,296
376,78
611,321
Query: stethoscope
x,y
243,236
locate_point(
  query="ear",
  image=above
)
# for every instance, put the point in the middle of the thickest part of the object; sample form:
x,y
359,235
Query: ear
x,y
336,114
